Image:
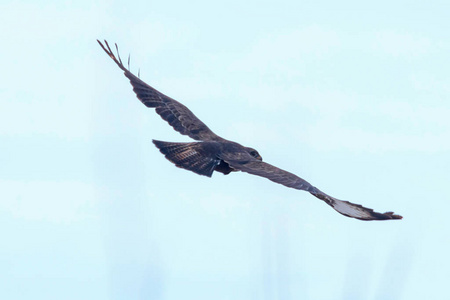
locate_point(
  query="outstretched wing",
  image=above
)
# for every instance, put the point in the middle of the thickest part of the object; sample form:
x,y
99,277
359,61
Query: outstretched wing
x,y
175,113
280,176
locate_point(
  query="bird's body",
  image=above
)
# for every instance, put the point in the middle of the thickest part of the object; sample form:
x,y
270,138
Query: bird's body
x,y
213,153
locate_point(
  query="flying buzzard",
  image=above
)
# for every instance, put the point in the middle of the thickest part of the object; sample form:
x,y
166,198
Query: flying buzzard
x,y
214,153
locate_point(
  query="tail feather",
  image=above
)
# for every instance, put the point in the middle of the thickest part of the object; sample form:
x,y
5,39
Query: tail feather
x,y
196,157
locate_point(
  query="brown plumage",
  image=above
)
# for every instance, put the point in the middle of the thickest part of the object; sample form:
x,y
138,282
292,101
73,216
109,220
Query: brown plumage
x,y
214,153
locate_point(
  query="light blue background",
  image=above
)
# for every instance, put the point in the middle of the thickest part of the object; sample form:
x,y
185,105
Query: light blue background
x,y
351,96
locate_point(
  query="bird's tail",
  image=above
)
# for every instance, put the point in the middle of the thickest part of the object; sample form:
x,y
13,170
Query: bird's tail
x,y
196,157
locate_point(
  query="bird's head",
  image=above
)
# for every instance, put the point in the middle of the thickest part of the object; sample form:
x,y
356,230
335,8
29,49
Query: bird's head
x,y
253,153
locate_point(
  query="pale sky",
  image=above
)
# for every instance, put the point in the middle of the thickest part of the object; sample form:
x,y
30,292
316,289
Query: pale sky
x,y
352,97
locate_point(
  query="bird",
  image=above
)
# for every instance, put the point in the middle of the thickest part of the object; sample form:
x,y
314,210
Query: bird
x,y
212,153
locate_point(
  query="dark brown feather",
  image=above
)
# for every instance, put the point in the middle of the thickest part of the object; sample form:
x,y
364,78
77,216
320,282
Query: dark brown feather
x,y
175,113
198,157
285,178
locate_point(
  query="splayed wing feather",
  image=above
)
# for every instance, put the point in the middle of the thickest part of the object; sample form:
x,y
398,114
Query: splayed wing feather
x,y
285,178
175,113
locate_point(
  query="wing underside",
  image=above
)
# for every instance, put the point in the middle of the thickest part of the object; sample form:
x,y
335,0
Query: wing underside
x,y
285,178
172,111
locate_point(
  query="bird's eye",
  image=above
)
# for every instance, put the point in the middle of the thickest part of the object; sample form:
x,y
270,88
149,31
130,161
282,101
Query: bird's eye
x,y
254,153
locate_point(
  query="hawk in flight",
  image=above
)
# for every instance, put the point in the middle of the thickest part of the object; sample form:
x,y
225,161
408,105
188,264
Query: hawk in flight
x,y
214,153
